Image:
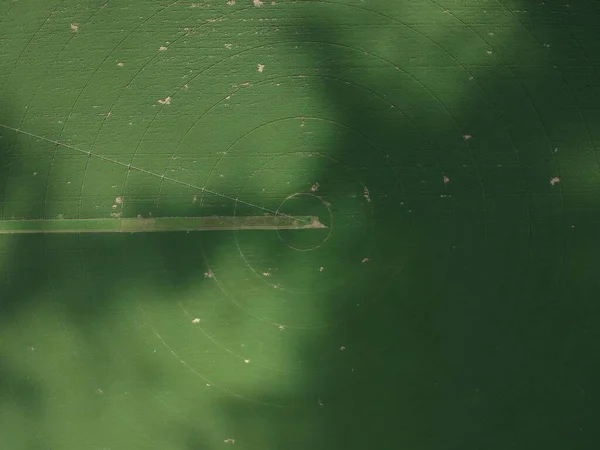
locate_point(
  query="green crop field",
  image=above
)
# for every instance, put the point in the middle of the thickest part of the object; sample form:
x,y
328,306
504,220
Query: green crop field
x,y
380,224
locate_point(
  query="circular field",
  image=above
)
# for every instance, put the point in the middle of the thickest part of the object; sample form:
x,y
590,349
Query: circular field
x,y
448,149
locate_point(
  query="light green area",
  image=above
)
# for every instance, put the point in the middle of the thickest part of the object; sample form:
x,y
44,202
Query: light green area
x,y
450,148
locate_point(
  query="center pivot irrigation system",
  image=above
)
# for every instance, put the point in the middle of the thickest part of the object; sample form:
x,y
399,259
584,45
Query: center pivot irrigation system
x,y
271,220
147,225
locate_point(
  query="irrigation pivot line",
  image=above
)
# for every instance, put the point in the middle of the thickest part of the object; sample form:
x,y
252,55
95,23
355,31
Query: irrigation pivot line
x,y
130,167
159,224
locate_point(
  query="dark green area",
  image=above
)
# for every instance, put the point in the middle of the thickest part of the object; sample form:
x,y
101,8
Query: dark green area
x,y
451,302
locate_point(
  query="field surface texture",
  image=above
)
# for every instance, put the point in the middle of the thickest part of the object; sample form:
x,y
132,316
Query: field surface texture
x,y
299,225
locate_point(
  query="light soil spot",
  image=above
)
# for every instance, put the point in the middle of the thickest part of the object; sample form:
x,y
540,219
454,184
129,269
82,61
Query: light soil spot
x,y
229,441
261,68
247,361
119,200
116,215
209,274
366,260
75,27
342,348
162,48
231,2
367,194
196,320
321,269
258,3
165,101
121,64
228,46
314,187
446,179
554,180
466,137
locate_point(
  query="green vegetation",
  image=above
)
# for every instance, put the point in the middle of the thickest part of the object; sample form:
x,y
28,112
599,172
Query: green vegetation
x,y
450,150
